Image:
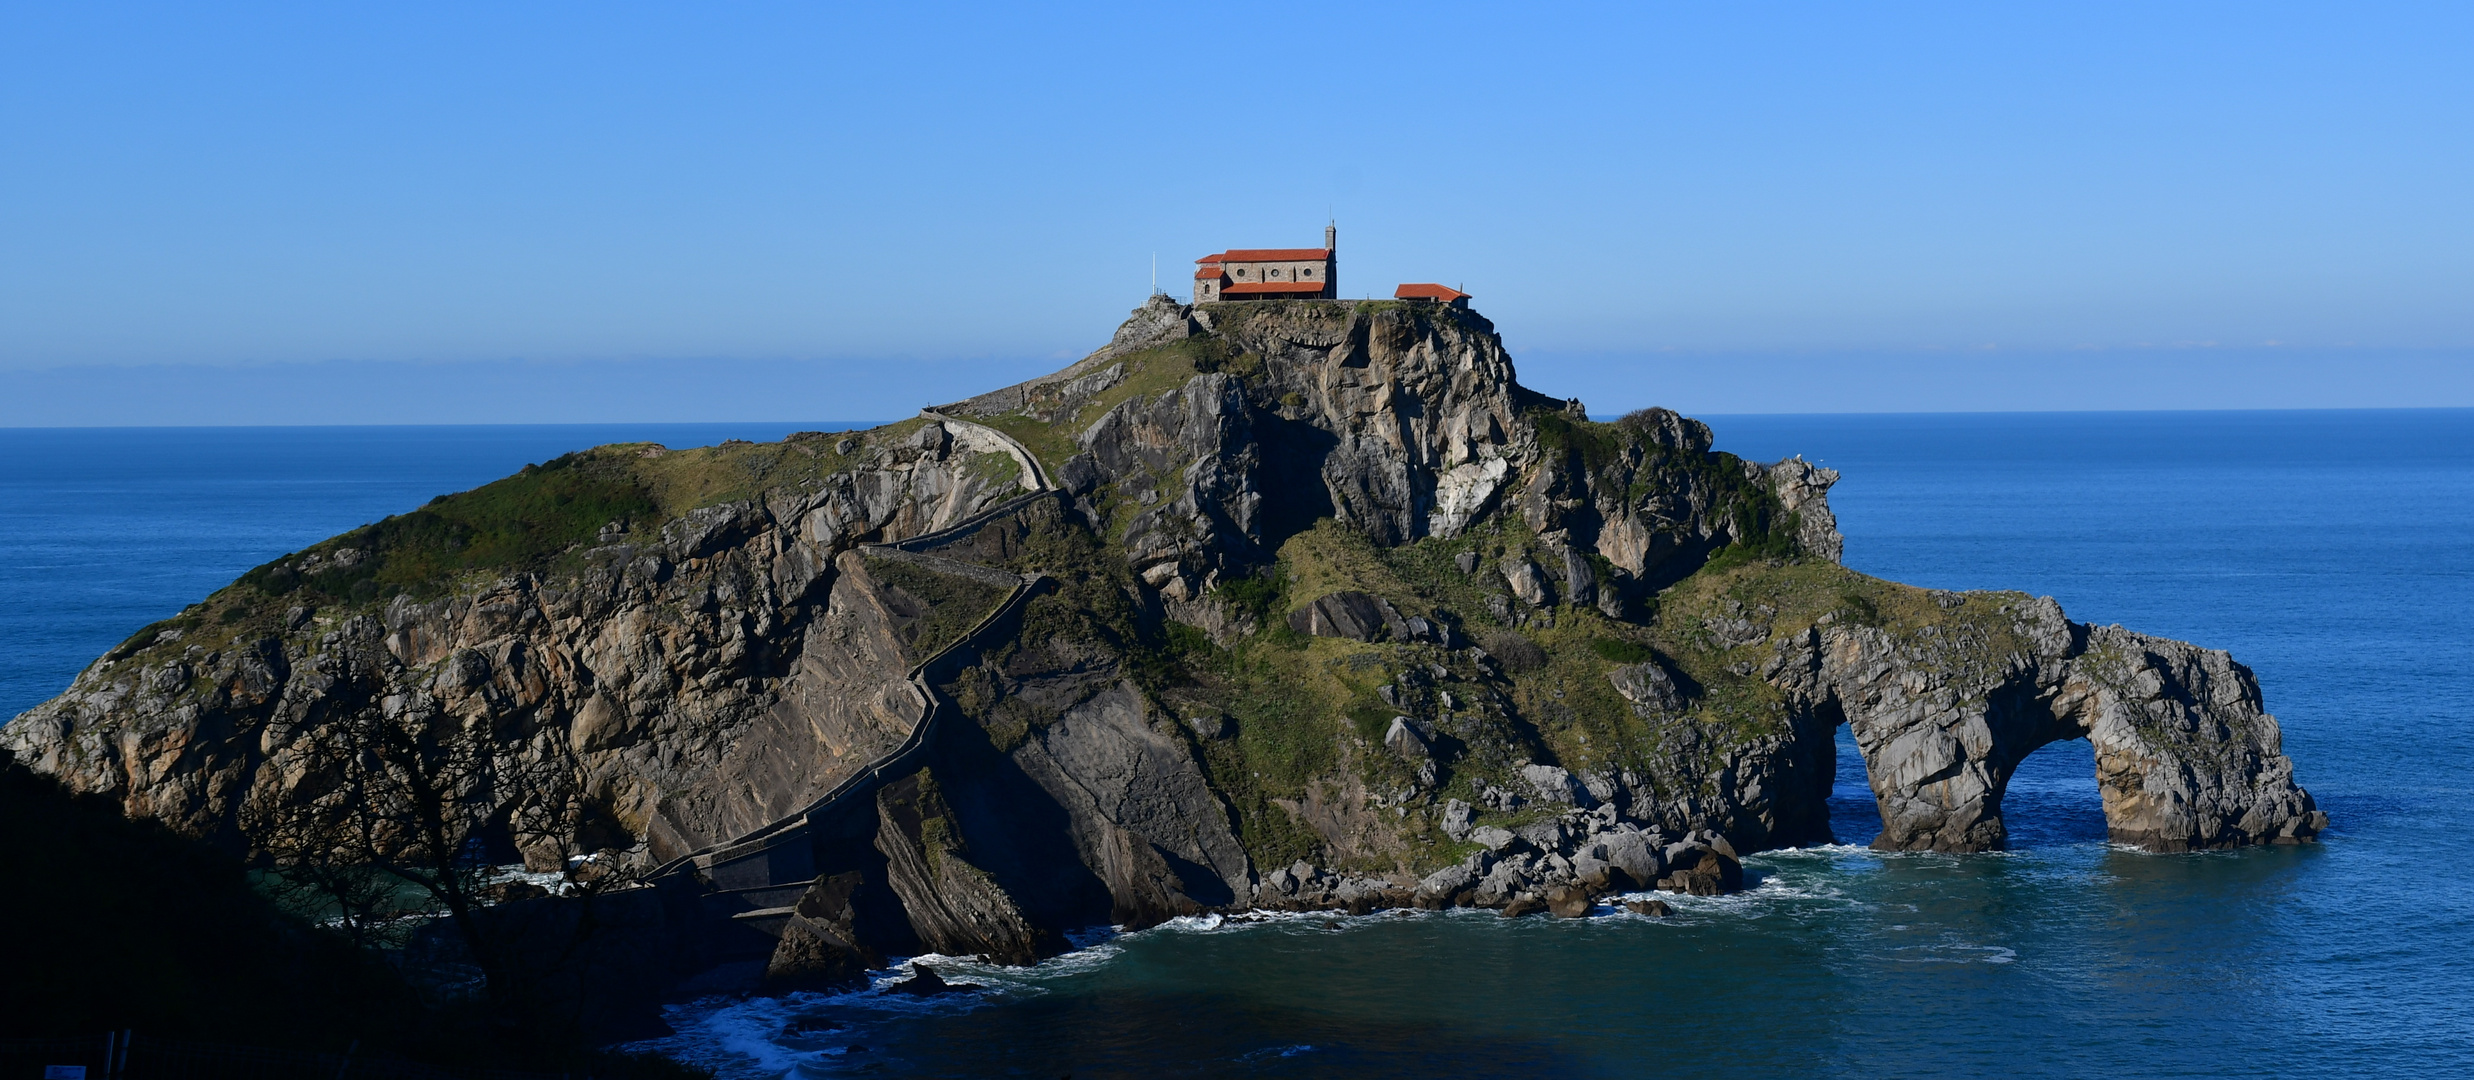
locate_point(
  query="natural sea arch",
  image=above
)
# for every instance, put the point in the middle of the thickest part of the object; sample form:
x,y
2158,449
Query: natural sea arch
x,y
2049,800
2182,754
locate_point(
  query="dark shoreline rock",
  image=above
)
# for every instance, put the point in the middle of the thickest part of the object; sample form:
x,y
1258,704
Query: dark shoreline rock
x,y
1040,643
925,982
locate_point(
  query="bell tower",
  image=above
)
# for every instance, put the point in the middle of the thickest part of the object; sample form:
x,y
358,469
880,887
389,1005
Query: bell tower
x,y
1331,259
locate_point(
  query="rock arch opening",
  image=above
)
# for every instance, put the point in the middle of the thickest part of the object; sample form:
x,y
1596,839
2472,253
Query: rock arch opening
x,y
2051,798
2171,738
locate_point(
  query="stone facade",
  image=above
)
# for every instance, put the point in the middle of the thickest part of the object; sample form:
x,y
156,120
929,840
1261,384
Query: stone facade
x,y
1270,273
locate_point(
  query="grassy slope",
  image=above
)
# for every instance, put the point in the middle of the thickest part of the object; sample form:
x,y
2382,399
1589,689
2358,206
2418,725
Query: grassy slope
x,y
1305,709
940,608
537,520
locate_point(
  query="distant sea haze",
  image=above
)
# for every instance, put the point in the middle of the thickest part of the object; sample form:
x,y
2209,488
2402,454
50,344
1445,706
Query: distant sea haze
x,y
2331,551
1695,381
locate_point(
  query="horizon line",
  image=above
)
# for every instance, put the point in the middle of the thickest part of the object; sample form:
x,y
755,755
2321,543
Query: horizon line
x,y
859,425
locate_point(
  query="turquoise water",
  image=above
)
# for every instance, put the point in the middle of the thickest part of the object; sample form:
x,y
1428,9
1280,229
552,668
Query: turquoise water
x,y
2331,551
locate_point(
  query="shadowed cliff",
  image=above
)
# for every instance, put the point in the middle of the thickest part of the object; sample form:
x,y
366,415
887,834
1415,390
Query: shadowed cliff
x,y
1329,611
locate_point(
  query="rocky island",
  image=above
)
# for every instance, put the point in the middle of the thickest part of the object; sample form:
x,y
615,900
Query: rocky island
x,y
1264,605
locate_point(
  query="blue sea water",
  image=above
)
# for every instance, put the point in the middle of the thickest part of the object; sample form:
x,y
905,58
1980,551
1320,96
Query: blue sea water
x,y
2333,552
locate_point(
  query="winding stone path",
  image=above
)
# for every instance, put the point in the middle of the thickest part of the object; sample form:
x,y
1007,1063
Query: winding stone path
x,y
747,862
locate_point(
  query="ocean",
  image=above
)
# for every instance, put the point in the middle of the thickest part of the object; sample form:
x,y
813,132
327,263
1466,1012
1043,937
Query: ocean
x,y
2333,552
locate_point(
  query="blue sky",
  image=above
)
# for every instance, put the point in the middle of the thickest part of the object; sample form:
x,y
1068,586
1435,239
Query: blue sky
x,y
443,213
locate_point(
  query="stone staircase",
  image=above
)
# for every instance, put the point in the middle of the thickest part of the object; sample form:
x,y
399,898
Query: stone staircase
x,y
745,888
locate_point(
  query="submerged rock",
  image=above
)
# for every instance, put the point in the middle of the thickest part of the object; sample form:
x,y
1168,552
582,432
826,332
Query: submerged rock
x,y
925,982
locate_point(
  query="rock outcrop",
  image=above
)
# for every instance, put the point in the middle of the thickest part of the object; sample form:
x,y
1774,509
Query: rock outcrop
x,y
1283,605
2186,758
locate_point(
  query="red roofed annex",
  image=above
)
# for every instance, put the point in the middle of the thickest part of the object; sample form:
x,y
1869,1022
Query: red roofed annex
x,y
1428,291
1270,273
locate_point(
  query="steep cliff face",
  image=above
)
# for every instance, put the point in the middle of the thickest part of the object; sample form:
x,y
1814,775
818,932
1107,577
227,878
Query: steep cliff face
x,y
1281,604
683,680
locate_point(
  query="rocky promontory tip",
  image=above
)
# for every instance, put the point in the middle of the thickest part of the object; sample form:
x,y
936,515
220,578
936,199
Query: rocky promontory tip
x,y
1293,604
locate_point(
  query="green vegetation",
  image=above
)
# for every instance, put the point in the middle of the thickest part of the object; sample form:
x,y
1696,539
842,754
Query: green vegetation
x,y
518,523
527,521
1624,463
1148,373
1257,595
1619,651
537,521
936,609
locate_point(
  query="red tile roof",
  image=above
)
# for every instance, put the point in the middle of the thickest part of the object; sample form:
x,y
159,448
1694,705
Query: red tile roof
x,y
1207,273
1271,288
1270,255
1428,291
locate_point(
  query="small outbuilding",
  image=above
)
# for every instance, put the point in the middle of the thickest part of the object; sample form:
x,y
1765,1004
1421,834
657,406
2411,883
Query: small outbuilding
x,y
1428,292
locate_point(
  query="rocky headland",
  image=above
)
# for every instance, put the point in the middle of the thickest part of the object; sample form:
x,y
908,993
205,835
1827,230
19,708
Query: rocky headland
x,y
1288,605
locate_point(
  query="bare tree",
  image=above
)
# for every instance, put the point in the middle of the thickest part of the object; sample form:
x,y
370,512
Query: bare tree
x,y
416,802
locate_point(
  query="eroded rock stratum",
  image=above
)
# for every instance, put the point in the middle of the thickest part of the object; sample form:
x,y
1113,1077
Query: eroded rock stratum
x,y
1323,609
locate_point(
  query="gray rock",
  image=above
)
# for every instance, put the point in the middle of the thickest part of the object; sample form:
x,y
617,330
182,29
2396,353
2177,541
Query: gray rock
x,y
1448,882
1456,816
1604,791
1526,581
1648,687
1737,631
1555,785
1079,474
1409,739
1631,853
1580,581
1595,872
1501,882
1493,838
1353,615
2186,757
821,944
1548,835
1803,489
1501,799
1412,741
1701,871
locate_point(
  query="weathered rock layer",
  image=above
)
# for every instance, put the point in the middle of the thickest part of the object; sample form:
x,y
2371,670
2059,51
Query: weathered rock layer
x,y
1331,612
